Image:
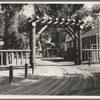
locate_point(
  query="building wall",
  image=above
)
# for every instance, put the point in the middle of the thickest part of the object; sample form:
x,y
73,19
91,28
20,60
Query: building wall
x,y
50,53
87,43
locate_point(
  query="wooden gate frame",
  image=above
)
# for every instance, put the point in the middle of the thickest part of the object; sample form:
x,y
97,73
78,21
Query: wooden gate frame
x,y
58,23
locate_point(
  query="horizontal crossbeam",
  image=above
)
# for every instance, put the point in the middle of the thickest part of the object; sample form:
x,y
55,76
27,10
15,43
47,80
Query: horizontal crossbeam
x,y
57,22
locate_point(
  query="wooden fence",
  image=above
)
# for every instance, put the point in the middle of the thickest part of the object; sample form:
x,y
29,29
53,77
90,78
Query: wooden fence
x,y
93,54
14,57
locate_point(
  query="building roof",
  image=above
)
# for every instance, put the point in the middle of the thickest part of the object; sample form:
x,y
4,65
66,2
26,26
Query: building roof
x,y
50,45
89,33
92,32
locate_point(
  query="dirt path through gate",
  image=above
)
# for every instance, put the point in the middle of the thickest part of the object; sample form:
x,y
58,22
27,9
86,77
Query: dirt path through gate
x,y
53,77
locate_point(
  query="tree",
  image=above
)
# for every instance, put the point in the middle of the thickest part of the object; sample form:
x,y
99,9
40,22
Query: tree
x,y
15,23
15,26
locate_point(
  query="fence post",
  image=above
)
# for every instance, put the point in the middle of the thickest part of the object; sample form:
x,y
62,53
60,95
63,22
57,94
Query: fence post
x,y
10,74
26,70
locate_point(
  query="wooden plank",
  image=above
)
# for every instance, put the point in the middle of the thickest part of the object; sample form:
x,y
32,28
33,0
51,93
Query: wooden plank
x,y
15,51
97,55
12,57
71,35
21,58
72,32
7,58
16,58
85,55
26,57
90,49
1,58
42,29
79,48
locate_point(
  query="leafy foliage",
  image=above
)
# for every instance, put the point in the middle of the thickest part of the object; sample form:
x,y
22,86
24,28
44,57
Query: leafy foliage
x,y
15,27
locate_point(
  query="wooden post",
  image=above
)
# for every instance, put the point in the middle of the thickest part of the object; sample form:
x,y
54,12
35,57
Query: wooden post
x,y
75,51
10,74
98,36
32,56
79,48
98,31
26,70
33,67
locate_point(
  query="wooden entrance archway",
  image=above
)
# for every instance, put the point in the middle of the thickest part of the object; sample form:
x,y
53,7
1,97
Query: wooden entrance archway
x,y
72,27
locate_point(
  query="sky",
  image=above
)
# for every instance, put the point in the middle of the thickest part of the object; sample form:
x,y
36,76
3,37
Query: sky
x,y
28,10
88,5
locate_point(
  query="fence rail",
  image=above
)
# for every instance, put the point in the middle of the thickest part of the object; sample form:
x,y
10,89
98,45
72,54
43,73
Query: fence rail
x,y
93,54
14,57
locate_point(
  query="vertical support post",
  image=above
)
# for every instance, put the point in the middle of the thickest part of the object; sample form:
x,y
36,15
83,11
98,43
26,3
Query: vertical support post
x,y
99,36
98,31
33,67
26,70
33,32
98,15
76,51
10,74
79,48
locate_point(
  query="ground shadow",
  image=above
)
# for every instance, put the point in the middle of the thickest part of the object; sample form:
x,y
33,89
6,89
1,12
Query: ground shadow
x,y
69,84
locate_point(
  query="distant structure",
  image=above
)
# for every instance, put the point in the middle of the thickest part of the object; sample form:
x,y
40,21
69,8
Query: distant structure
x,y
50,51
89,41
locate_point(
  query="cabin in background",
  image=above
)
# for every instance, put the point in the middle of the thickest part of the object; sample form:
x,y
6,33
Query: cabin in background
x,y
50,51
90,40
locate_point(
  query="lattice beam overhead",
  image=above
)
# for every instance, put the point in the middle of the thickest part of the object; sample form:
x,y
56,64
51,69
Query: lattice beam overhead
x,y
56,22
70,25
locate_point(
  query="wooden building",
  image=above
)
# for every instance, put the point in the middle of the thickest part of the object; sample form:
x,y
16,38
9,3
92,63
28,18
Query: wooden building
x,y
90,40
50,51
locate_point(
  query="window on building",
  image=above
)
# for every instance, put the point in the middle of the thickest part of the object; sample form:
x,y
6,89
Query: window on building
x,y
93,40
